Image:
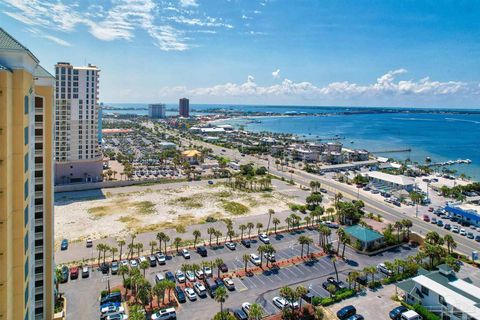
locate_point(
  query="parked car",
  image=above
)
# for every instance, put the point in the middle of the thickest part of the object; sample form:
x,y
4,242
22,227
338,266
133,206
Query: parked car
x,y
152,261
229,284
280,302
396,313
455,229
433,220
64,271
356,317
179,294
246,243
201,250
208,271
255,259
426,218
117,316
410,315
190,293
264,238
190,276
89,243
223,267
199,274
323,190
112,297
111,309
200,289
470,235
114,267
339,284
164,314
477,238
85,272
346,312
161,258
246,306
169,276
440,223
73,273
180,276
383,269
269,256
463,232
185,254
231,245
240,314
447,226
64,245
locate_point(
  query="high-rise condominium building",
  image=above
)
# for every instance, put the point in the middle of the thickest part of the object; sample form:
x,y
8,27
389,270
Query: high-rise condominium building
x,y
184,108
26,184
156,110
78,156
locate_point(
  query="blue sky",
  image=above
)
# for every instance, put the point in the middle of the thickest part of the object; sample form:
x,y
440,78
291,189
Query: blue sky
x,y
373,53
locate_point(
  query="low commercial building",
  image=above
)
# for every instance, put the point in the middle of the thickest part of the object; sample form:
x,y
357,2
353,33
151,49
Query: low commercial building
x,y
369,239
443,293
390,182
467,212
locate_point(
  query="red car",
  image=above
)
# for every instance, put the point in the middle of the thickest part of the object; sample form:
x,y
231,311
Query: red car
x,y
430,209
426,218
73,273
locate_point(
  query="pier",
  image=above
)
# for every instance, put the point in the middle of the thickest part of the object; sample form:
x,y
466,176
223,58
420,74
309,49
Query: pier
x,y
449,163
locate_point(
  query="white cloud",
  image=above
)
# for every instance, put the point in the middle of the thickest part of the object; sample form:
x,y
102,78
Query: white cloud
x,y
385,87
119,21
188,3
41,34
276,74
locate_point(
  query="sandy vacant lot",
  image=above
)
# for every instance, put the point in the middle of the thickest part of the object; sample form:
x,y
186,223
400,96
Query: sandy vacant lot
x,y
119,213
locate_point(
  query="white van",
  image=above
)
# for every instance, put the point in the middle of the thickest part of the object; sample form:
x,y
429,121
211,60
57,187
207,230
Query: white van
x,y
411,315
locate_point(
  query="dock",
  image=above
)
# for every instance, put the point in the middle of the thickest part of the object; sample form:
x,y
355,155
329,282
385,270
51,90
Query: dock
x,y
392,151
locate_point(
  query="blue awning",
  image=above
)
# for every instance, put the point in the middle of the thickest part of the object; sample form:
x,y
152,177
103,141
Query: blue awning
x,y
463,213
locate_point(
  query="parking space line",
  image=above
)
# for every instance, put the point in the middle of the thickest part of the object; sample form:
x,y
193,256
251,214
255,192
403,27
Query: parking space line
x,y
250,281
290,271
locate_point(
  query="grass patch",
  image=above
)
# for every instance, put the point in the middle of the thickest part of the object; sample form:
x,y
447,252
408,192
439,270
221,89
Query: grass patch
x,y
145,207
99,211
187,202
180,229
224,194
235,208
267,195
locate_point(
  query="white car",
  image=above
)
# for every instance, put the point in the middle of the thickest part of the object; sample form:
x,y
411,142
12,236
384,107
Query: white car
x,y
180,276
124,263
264,238
200,289
142,259
269,256
255,259
208,271
164,314
246,307
229,283
133,263
231,245
190,293
160,258
199,274
383,269
111,309
190,276
280,302
89,243
185,254
463,232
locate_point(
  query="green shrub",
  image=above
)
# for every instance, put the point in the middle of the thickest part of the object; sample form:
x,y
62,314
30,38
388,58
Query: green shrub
x,y
316,300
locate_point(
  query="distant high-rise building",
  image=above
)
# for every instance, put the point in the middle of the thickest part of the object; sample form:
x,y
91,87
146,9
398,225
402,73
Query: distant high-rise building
x,y
26,184
184,108
78,157
156,111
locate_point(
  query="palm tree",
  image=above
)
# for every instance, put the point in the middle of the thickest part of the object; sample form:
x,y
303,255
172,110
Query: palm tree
x,y
218,262
308,241
121,243
99,248
58,276
271,212
341,237
210,232
299,292
259,226
165,241
217,234
245,259
177,241
144,266
132,236
288,221
152,245
450,242
276,222
407,224
242,228
334,260
250,226
221,295
113,250
398,225
319,314
230,234
331,289
255,312
159,291
196,234
371,270
160,237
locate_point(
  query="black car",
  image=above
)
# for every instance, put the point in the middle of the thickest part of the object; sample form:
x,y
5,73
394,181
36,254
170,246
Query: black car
x,y
346,312
179,294
246,243
326,285
201,250
112,297
104,267
152,261
169,276
447,226
240,314
64,245
308,297
362,279
223,267
219,282
396,313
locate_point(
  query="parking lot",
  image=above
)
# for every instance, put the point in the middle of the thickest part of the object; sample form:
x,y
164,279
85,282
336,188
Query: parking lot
x,y
82,294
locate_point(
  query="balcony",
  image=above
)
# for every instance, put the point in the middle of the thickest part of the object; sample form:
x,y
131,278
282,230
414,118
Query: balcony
x,y
38,194
39,110
39,139
38,166
38,222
